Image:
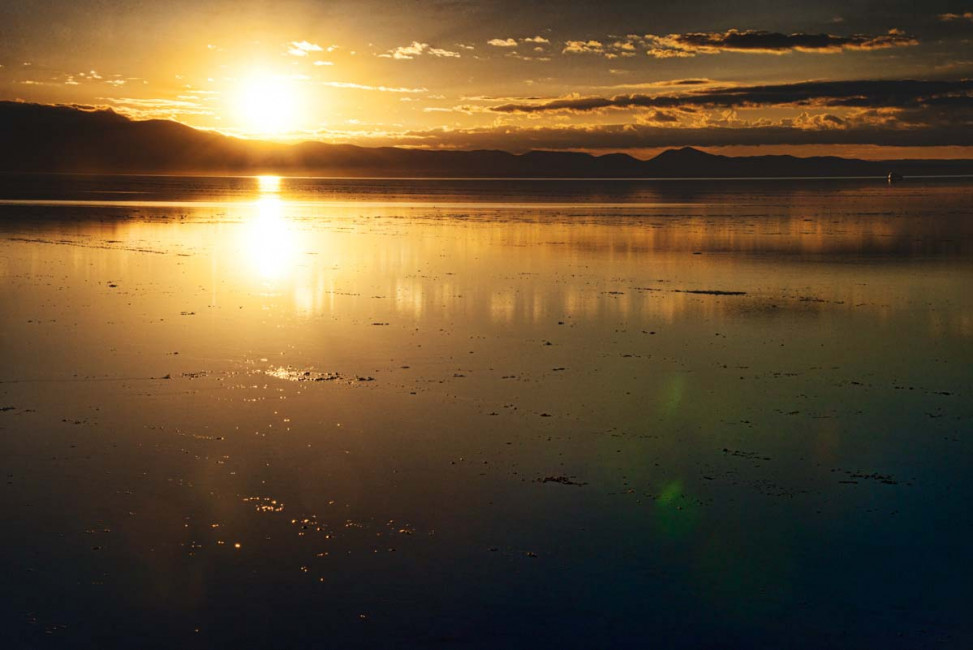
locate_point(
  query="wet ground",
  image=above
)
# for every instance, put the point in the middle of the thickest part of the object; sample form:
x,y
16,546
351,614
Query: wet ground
x,y
299,413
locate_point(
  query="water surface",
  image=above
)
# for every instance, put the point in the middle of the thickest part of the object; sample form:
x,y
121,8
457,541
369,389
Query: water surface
x,y
372,413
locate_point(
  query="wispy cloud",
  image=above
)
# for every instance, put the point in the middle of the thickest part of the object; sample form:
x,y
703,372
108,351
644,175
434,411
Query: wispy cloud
x,y
527,57
452,109
619,47
151,103
536,44
384,89
860,94
662,129
407,52
667,84
302,48
966,15
168,109
804,129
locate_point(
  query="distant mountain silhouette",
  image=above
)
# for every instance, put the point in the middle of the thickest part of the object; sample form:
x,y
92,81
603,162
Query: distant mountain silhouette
x,y
42,138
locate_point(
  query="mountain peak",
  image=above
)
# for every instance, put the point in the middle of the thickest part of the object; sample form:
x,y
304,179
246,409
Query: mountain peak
x,y
684,154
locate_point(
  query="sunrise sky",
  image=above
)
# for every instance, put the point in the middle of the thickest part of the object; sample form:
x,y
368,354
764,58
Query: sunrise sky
x,y
857,78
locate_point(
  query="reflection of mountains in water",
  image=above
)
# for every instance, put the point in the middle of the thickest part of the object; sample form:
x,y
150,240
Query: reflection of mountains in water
x,y
63,139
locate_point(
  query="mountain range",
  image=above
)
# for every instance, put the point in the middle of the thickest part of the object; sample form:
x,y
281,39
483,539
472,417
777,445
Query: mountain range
x,y
47,138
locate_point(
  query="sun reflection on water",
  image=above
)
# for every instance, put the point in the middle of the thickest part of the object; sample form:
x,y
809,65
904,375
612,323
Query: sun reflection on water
x,y
270,239
268,184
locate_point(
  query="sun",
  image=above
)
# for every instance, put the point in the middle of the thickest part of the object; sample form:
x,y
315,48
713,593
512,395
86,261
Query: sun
x,y
267,105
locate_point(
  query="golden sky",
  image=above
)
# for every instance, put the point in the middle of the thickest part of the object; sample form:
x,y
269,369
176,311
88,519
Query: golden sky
x,y
852,78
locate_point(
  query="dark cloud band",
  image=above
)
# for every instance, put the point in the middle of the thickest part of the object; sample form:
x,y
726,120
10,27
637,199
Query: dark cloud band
x,y
757,42
905,93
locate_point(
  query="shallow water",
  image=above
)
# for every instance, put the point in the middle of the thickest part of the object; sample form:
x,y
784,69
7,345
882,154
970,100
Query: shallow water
x,y
332,413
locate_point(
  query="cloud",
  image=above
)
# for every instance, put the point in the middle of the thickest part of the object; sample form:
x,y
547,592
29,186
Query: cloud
x,y
453,109
408,52
145,109
686,82
512,42
762,42
69,79
967,15
904,93
901,112
384,89
583,47
571,104
659,117
150,103
624,48
734,40
620,47
804,130
820,121
301,48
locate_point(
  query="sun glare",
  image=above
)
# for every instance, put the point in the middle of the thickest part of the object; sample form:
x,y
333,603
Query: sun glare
x,y
267,104
268,184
